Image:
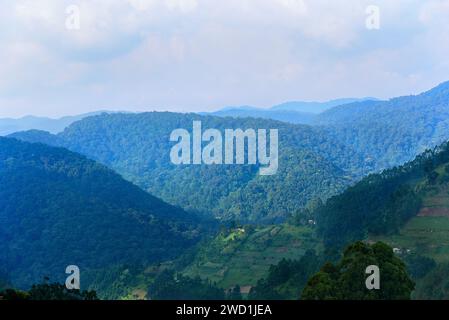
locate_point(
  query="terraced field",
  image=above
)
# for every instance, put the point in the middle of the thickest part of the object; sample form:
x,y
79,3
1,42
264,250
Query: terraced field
x,y
425,235
243,257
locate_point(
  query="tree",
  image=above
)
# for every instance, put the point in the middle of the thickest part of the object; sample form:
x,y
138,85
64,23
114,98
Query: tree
x,y
48,291
234,293
286,279
171,286
346,279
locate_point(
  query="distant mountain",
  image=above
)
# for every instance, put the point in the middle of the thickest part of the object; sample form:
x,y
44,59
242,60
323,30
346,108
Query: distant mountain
x,y
8,125
316,107
297,112
281,115
345,144
388,133
138,147
58,208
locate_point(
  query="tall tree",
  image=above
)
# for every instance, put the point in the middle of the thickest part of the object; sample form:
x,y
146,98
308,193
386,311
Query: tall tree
x,y
346,280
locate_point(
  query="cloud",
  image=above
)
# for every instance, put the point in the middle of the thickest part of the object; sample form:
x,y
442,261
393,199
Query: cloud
x,y
201,54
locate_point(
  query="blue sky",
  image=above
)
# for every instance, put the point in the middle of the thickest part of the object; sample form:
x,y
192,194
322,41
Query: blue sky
x,y
200,55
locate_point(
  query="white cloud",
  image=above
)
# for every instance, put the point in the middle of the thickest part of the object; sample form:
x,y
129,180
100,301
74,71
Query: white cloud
x,y
200,54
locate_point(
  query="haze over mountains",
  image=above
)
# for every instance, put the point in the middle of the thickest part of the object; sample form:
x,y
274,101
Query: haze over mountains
x,y
315,161
298,112
138,147
8,125
293,112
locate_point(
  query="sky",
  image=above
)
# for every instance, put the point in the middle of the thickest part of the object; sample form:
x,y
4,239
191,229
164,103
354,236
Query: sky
x,y
61,57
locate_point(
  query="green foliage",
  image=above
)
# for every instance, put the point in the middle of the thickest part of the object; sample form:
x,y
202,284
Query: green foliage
x,y
286,279
47,292
171,286
380,203
346,279
418,266
435,285
234,294
58,208
389,133
243,256
138,147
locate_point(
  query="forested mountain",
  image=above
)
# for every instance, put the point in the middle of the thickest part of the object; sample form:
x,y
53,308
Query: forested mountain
x,y
298,112
8,125
58,208
137,146
290,116
381,204
316,107
347,143
389,133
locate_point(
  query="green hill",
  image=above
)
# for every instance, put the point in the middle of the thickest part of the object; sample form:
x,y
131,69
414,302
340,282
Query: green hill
x,y
58,208
406,207
344,144
390,133
137,146
427,232
242,256
382,203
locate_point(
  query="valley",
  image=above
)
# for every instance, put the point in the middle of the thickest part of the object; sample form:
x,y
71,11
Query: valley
x,y
104,192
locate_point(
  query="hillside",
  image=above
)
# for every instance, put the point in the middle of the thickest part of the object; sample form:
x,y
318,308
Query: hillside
x,y
389,133
290,116
58,208
382,203
137,146
297,112
382,133
9,125
244,255
406,207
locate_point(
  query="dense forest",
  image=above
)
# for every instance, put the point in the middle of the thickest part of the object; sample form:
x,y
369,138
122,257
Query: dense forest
x,y
344,144
345,280
140,227
58,208
138,147
382,203
390,133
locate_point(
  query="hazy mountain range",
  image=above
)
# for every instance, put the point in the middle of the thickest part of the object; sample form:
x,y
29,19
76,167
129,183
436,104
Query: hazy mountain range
x,y
46,190
298,112
293,112
9,125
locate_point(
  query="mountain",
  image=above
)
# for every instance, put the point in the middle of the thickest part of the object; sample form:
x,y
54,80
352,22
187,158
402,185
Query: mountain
x,y
346,143
389,133
297,112
316,107
57,208
383,133
8,125
138,147
280,115
406,207
381,204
